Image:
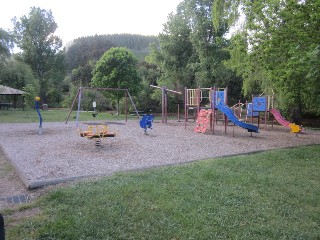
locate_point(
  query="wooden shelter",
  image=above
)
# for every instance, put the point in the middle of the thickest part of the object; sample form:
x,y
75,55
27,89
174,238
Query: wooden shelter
x,y
9,97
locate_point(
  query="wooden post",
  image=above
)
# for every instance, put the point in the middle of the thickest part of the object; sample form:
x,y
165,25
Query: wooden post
x,y
164,101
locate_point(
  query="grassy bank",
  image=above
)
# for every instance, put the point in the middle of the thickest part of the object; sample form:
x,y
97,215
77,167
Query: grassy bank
x,y
55,115
270,195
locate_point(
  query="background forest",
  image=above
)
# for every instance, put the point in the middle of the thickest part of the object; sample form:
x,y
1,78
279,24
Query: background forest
x,y
247,46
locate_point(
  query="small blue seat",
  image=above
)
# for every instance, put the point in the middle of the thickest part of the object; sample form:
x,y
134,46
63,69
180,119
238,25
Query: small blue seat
x,y
146,121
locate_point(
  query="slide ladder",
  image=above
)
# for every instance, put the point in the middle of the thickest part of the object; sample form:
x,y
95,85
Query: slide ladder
x,y
203,121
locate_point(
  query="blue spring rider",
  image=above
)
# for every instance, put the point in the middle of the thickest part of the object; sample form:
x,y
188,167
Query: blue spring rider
x,y
146,122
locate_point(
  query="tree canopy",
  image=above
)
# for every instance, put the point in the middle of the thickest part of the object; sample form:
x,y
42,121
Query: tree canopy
x,y
34,34
117,68
278,48
6,43
192,50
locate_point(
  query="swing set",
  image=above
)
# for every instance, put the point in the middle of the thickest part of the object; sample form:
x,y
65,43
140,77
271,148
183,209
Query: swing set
x,y
79,97
98,132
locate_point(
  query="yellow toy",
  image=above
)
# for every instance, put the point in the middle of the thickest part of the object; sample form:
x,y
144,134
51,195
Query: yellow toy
x,y
97,132
295,128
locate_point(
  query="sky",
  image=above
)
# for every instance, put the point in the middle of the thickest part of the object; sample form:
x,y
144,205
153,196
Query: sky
x,y
77,18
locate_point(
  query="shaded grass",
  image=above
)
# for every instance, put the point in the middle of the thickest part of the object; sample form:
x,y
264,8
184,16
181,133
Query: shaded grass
x,y
270,195
55,115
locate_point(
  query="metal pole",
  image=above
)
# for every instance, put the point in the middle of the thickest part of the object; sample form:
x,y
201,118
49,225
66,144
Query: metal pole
x,y
166,106
178,112
162,104
186,108
74,100
134,106
126,105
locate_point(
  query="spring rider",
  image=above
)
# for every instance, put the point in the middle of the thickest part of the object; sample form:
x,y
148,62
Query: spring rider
x,y
37,100
146,122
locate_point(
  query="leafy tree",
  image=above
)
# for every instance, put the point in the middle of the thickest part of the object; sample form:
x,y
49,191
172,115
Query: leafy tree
x,y
29,95
192,50
117,68
282,51
174,53
5,45
35,36
16,74
82,75
149,74
56,86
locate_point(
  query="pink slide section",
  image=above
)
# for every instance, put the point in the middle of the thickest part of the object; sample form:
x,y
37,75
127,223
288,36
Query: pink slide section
x,y
279,118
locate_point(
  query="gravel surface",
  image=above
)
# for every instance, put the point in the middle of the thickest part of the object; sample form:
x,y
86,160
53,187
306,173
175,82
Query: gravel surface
x,y
60,154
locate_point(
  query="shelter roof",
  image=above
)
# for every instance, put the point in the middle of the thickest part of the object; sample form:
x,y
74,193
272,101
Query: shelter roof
x,y
10,91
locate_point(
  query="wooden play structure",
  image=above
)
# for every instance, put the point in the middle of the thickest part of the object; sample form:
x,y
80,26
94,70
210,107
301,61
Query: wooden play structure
x,y
201,102
210,106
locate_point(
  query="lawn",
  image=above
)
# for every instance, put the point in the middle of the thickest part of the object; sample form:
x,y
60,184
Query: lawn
x,y
54,115
269,195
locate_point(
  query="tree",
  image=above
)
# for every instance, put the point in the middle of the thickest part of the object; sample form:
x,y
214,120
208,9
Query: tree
x,y
35,36
282,51
16,74
5,45
192,49
117,68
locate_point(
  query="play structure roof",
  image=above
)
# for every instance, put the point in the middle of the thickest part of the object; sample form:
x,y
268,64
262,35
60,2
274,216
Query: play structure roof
x,y
10,91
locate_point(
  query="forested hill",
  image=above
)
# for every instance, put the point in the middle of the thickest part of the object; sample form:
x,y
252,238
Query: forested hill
x,y
131,41
138,44
92,47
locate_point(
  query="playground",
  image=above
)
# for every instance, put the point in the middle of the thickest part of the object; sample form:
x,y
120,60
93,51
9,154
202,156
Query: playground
x,y
60,154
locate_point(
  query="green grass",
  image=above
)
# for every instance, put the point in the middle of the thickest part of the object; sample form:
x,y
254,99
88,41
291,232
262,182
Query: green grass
x,y
270,195
55,115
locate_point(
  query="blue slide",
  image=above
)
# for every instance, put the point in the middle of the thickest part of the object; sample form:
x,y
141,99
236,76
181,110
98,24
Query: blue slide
x,y
230,115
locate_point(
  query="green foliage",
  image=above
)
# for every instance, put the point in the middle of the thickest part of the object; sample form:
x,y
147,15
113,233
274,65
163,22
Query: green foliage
x,y
91,48
270,195
117,68
102,102
6,43
281,52
86,49
29,96
34,34
149,74
16,74
138,44
82,75
192,49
